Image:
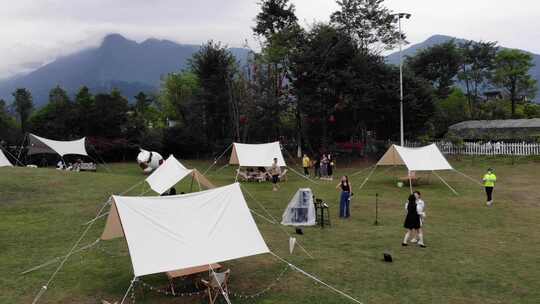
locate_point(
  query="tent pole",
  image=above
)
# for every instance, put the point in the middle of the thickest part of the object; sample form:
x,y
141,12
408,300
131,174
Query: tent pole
x,y
237,173
410,182
455,192
191,186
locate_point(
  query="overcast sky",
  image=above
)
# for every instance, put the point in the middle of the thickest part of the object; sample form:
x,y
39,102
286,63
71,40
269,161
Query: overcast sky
x,y
36,31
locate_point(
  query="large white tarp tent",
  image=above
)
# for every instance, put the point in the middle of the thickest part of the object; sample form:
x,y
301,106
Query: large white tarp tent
x,y
4,162
428,158
301,209
256,155
38,145
167,233
171,172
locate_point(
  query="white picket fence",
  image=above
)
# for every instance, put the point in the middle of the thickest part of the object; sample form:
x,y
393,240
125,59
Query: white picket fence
x,y
487,148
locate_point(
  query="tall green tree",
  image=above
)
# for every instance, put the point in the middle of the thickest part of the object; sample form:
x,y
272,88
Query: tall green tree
x,y
84,110
177,95
512,74
322,72
274,17
215,67
23,105
280,33
369,22
7,122
56,119
477,64
439,65
142,102
109,115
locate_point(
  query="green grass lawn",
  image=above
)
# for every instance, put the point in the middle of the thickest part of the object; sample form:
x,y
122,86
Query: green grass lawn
x,y
475,254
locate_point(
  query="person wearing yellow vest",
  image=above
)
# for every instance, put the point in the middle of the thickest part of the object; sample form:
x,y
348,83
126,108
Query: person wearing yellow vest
x,y
306,162
489,183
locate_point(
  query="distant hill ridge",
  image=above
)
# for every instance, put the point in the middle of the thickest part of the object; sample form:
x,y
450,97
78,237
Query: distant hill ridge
x,y
439,39
118,62
133,67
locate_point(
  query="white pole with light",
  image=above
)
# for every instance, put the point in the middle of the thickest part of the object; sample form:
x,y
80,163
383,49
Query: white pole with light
x,y
401,133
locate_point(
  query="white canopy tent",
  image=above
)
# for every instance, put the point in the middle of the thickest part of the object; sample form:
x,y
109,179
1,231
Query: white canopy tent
x,y
427,158
301,209
167,233
4,161
256,155
171,172
38,145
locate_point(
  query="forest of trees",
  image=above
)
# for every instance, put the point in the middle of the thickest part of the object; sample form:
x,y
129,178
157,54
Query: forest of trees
x,y
314,86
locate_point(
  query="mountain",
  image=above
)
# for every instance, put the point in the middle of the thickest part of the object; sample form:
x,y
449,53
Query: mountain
x,y
118,63
439,39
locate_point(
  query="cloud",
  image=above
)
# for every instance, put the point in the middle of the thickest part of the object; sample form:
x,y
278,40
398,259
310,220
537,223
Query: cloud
x,y
37,31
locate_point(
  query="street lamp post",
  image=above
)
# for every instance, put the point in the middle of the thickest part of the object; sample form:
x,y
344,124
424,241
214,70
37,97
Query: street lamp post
x,y
399,16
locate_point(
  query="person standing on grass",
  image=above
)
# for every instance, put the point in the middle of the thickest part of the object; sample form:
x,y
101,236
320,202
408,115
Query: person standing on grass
x,y
317,166
412,220
489,180
305,163
324,167
275,171
330,166
421,210
345,198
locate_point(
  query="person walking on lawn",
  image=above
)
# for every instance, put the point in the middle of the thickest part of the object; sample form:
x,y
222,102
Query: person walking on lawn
x,y
412,220
275,171
421,210
489,180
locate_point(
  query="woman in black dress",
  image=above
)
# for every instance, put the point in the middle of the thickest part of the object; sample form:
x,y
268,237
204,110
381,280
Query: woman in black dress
x,y
412,220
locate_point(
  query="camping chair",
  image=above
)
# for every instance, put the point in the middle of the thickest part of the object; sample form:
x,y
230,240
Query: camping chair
x,y
242,175
217,284
283,175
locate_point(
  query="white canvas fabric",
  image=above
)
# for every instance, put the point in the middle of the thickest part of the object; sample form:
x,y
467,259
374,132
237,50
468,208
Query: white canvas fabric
x,y
167,175
4,162
301,209
256,155
428,158
167,233
44,145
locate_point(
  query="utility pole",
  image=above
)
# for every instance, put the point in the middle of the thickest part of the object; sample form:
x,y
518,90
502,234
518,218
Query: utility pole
x,y
400,16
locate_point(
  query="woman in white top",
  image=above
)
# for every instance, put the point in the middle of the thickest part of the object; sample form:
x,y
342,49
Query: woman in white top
x,y
421,210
